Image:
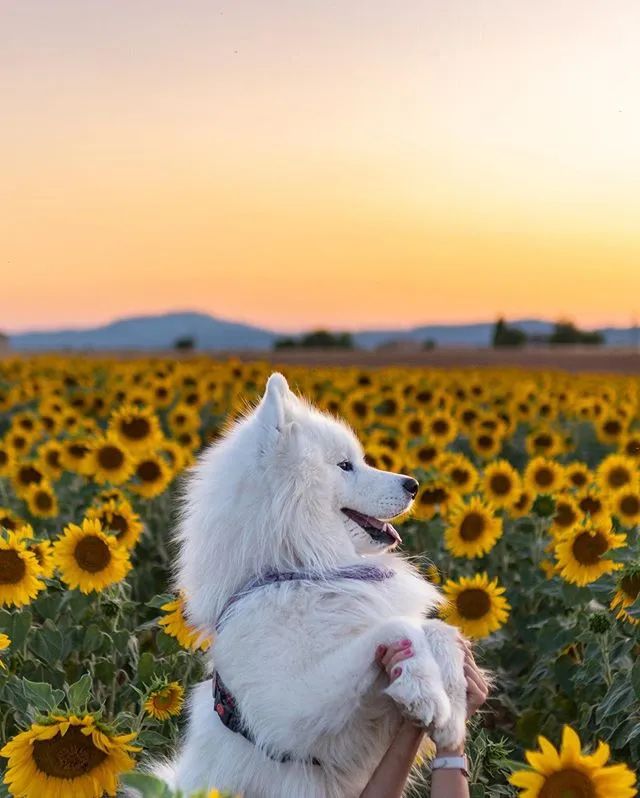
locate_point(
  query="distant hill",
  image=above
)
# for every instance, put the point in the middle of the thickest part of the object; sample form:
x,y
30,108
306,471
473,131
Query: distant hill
x,y
209,333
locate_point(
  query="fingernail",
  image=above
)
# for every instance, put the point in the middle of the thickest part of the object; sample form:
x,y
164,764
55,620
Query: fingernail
x,y
380,650
405,642
396,672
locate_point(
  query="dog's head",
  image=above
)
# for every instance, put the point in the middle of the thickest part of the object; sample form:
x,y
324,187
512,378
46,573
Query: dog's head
x,y
315,464
286,487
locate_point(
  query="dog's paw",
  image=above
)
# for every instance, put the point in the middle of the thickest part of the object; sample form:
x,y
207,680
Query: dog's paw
x,y
420,694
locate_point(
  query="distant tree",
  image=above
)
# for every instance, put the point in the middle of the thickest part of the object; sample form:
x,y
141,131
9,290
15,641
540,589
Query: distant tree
x,y
429,344
503,335
184,344
565,332
318,339
285,343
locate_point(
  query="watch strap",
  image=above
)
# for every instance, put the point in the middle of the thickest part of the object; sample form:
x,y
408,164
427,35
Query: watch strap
x,y
451,763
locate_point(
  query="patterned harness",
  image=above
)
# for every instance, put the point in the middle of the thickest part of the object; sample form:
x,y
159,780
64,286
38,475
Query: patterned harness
x,y
224,702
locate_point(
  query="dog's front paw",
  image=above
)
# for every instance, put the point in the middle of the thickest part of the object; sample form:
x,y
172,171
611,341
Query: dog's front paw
x,y
419,692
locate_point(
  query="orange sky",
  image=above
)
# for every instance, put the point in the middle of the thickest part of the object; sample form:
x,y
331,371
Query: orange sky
x,y
306,163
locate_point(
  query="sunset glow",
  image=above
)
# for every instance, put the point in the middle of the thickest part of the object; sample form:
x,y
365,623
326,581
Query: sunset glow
x,y
295,164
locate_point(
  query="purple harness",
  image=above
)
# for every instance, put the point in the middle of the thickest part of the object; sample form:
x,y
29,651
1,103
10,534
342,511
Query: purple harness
x,y
224,702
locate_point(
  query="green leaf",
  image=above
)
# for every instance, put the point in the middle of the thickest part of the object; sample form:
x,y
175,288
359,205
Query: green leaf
x,y
79,693
48,643
161,599
146,667
19,627
92,639
41,695
148,786
635,678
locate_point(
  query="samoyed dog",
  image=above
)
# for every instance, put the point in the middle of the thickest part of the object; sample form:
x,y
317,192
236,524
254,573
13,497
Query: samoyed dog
x,y
286,554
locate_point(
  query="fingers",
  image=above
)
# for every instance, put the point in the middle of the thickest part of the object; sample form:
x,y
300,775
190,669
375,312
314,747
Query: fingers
x,y
392,649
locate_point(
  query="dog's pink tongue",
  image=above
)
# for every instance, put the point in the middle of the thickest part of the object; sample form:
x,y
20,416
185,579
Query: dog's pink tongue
x,y
392,531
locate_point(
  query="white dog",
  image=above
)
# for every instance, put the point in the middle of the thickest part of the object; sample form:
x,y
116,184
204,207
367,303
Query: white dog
x,y
287,493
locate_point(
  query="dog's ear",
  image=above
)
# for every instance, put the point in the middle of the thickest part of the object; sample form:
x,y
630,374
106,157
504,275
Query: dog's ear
x,y
271,410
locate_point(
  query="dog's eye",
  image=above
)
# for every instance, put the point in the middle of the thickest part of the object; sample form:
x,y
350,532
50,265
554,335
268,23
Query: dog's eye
x,y
345,465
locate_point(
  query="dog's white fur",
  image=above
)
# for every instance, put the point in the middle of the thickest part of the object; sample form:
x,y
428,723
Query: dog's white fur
x,y
299,657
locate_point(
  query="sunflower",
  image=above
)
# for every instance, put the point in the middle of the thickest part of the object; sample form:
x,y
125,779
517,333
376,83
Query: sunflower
x,y
151,476
630,445
577,475
66,755
88,559
137,428
616,472
461,472
109,461
485,443
475,605
543,475
441,427
592,503
628,589
521,507
184,417
175,624
568,773
414,425
472,529
501,484
358,408
50,459
42,500
75,455
174,454
625,505
7,459
165,702
425,455
189,441
566,515
433,496
43,551
611,429
20,574
25,475
120,519
544,441
581,551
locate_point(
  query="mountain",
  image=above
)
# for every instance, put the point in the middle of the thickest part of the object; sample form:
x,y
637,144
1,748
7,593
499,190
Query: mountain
x,y
151,332
162,331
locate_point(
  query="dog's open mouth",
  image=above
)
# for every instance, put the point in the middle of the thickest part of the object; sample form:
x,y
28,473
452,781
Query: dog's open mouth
x,y
381,531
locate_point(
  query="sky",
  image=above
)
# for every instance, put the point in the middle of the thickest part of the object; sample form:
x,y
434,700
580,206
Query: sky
x,y
309,163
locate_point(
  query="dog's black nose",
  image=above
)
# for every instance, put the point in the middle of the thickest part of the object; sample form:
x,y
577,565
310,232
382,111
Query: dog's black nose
x,y
411,485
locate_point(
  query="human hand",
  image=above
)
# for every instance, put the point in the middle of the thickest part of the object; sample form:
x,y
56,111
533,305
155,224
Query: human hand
x,y
389,657
477,685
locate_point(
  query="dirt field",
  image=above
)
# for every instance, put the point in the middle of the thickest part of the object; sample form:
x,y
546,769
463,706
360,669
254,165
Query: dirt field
x,y
571,358
625,361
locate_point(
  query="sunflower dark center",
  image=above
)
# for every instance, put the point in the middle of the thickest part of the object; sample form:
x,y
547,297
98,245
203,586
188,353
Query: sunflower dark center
x,y
630,585
415,427
500,484
163,700
618,477
28,475
543,477
4,457
67,757
427,454
588,548
578,479
567,783
110,457
433,496
118,524
137,429
43,500
484,441
630,505
542,441
8,523
440,427
633,447
12,567
565,515
612,427
53,458
78,450
472,526
149,471
92,554
473,603
591,505
460,476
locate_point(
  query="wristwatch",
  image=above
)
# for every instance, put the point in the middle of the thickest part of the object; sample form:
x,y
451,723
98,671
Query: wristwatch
x,y
451,763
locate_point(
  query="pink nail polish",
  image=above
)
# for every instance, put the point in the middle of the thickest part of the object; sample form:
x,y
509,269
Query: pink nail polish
x,y
396,672
405,642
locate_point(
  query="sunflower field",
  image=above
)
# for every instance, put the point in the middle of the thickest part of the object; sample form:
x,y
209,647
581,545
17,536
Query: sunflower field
x,y
527,517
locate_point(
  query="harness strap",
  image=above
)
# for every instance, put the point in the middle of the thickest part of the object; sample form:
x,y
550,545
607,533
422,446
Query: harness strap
x,y
224,702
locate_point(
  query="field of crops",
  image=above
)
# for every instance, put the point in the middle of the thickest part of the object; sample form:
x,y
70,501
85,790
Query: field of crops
x,y
527,517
